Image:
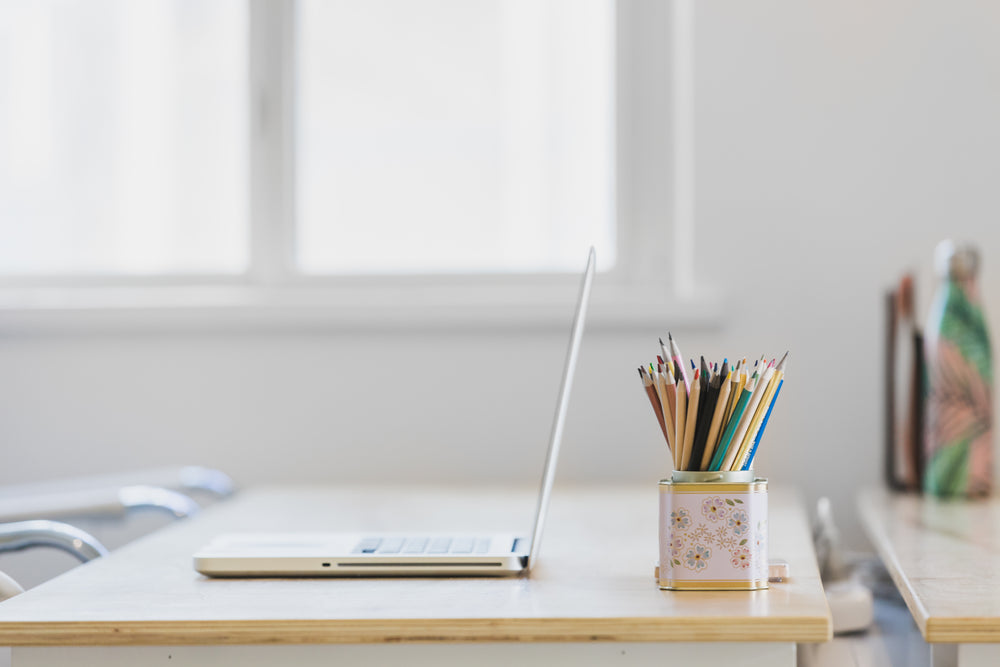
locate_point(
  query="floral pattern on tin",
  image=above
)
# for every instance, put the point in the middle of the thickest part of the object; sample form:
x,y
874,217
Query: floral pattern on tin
x,y
697,558
760,539
714,508
741,558
676,545
724,538
725,528
738,522
701,534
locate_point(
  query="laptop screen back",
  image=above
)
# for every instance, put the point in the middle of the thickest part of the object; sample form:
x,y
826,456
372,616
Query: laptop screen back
x,y
555,438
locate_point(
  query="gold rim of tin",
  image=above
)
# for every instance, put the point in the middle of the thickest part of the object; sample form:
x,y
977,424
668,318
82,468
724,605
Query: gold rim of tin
x,y
757,486
712,585
712,476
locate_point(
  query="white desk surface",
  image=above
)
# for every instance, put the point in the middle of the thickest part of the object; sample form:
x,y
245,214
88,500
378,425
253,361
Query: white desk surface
x,y
593,581
945,558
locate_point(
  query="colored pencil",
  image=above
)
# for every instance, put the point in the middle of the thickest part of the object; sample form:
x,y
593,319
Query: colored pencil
x,y
714,418
741,381
668,417
777,381
680,414
727,435
716,427
753,450
748,414
744,451
647,383
691,422
706,411
675,353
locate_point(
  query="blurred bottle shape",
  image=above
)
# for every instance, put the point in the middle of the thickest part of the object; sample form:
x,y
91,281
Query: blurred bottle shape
x,y
958,411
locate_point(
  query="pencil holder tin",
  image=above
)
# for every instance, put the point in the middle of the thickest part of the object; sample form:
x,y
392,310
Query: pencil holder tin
x,y
713,531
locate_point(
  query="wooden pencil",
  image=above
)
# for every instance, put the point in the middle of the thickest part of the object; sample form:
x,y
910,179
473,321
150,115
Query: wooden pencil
x,y
680,414
709,396
715,429
675,353
746,461
691,422
730,429
748,414
739,379
753,450
666,358
668,417
744,451
654,400
671,388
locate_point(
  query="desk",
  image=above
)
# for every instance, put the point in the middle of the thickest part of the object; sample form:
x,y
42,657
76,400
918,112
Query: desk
x,y
945,558
591,597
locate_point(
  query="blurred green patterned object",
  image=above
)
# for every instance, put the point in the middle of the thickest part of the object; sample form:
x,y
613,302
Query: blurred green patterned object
x,y
958,410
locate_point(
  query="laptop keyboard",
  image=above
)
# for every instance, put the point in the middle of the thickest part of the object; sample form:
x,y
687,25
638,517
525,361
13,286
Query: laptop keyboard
x,y
422,545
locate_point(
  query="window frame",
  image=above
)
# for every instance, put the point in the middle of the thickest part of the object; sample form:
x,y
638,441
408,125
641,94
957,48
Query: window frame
x,y
653,203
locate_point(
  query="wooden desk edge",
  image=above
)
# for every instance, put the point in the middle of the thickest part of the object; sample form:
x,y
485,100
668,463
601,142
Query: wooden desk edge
x,y
934,629
961,630
884,551
642,629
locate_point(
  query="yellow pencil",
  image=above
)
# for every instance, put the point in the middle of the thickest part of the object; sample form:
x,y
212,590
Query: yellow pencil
x,y
758,417
747,450
744,424
735,380
737,390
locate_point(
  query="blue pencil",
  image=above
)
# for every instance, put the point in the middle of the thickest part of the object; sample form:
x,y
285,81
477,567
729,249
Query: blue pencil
x,y
763,425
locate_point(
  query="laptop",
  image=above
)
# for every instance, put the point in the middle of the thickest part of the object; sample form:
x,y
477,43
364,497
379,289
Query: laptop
x,y
397,554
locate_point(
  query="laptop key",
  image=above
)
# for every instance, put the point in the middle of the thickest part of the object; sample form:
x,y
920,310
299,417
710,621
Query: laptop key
x,y
367,545
439,545
482,545
462,545
415,545
391,545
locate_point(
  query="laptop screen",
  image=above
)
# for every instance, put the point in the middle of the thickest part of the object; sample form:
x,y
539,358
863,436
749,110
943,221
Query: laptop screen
x,y
555,438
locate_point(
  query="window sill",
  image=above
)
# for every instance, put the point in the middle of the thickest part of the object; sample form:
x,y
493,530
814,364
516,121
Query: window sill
x,y
175,309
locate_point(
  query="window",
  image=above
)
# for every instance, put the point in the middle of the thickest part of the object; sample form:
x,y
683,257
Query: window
x,y
123,132
341,145
446,136
436,136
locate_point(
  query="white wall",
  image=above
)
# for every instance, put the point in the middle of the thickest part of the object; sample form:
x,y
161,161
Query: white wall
x,y
848,138
845,138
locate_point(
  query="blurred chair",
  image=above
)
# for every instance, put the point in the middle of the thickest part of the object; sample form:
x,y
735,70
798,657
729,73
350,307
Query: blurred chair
x,y
25,502
207,483
19,535
27,510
